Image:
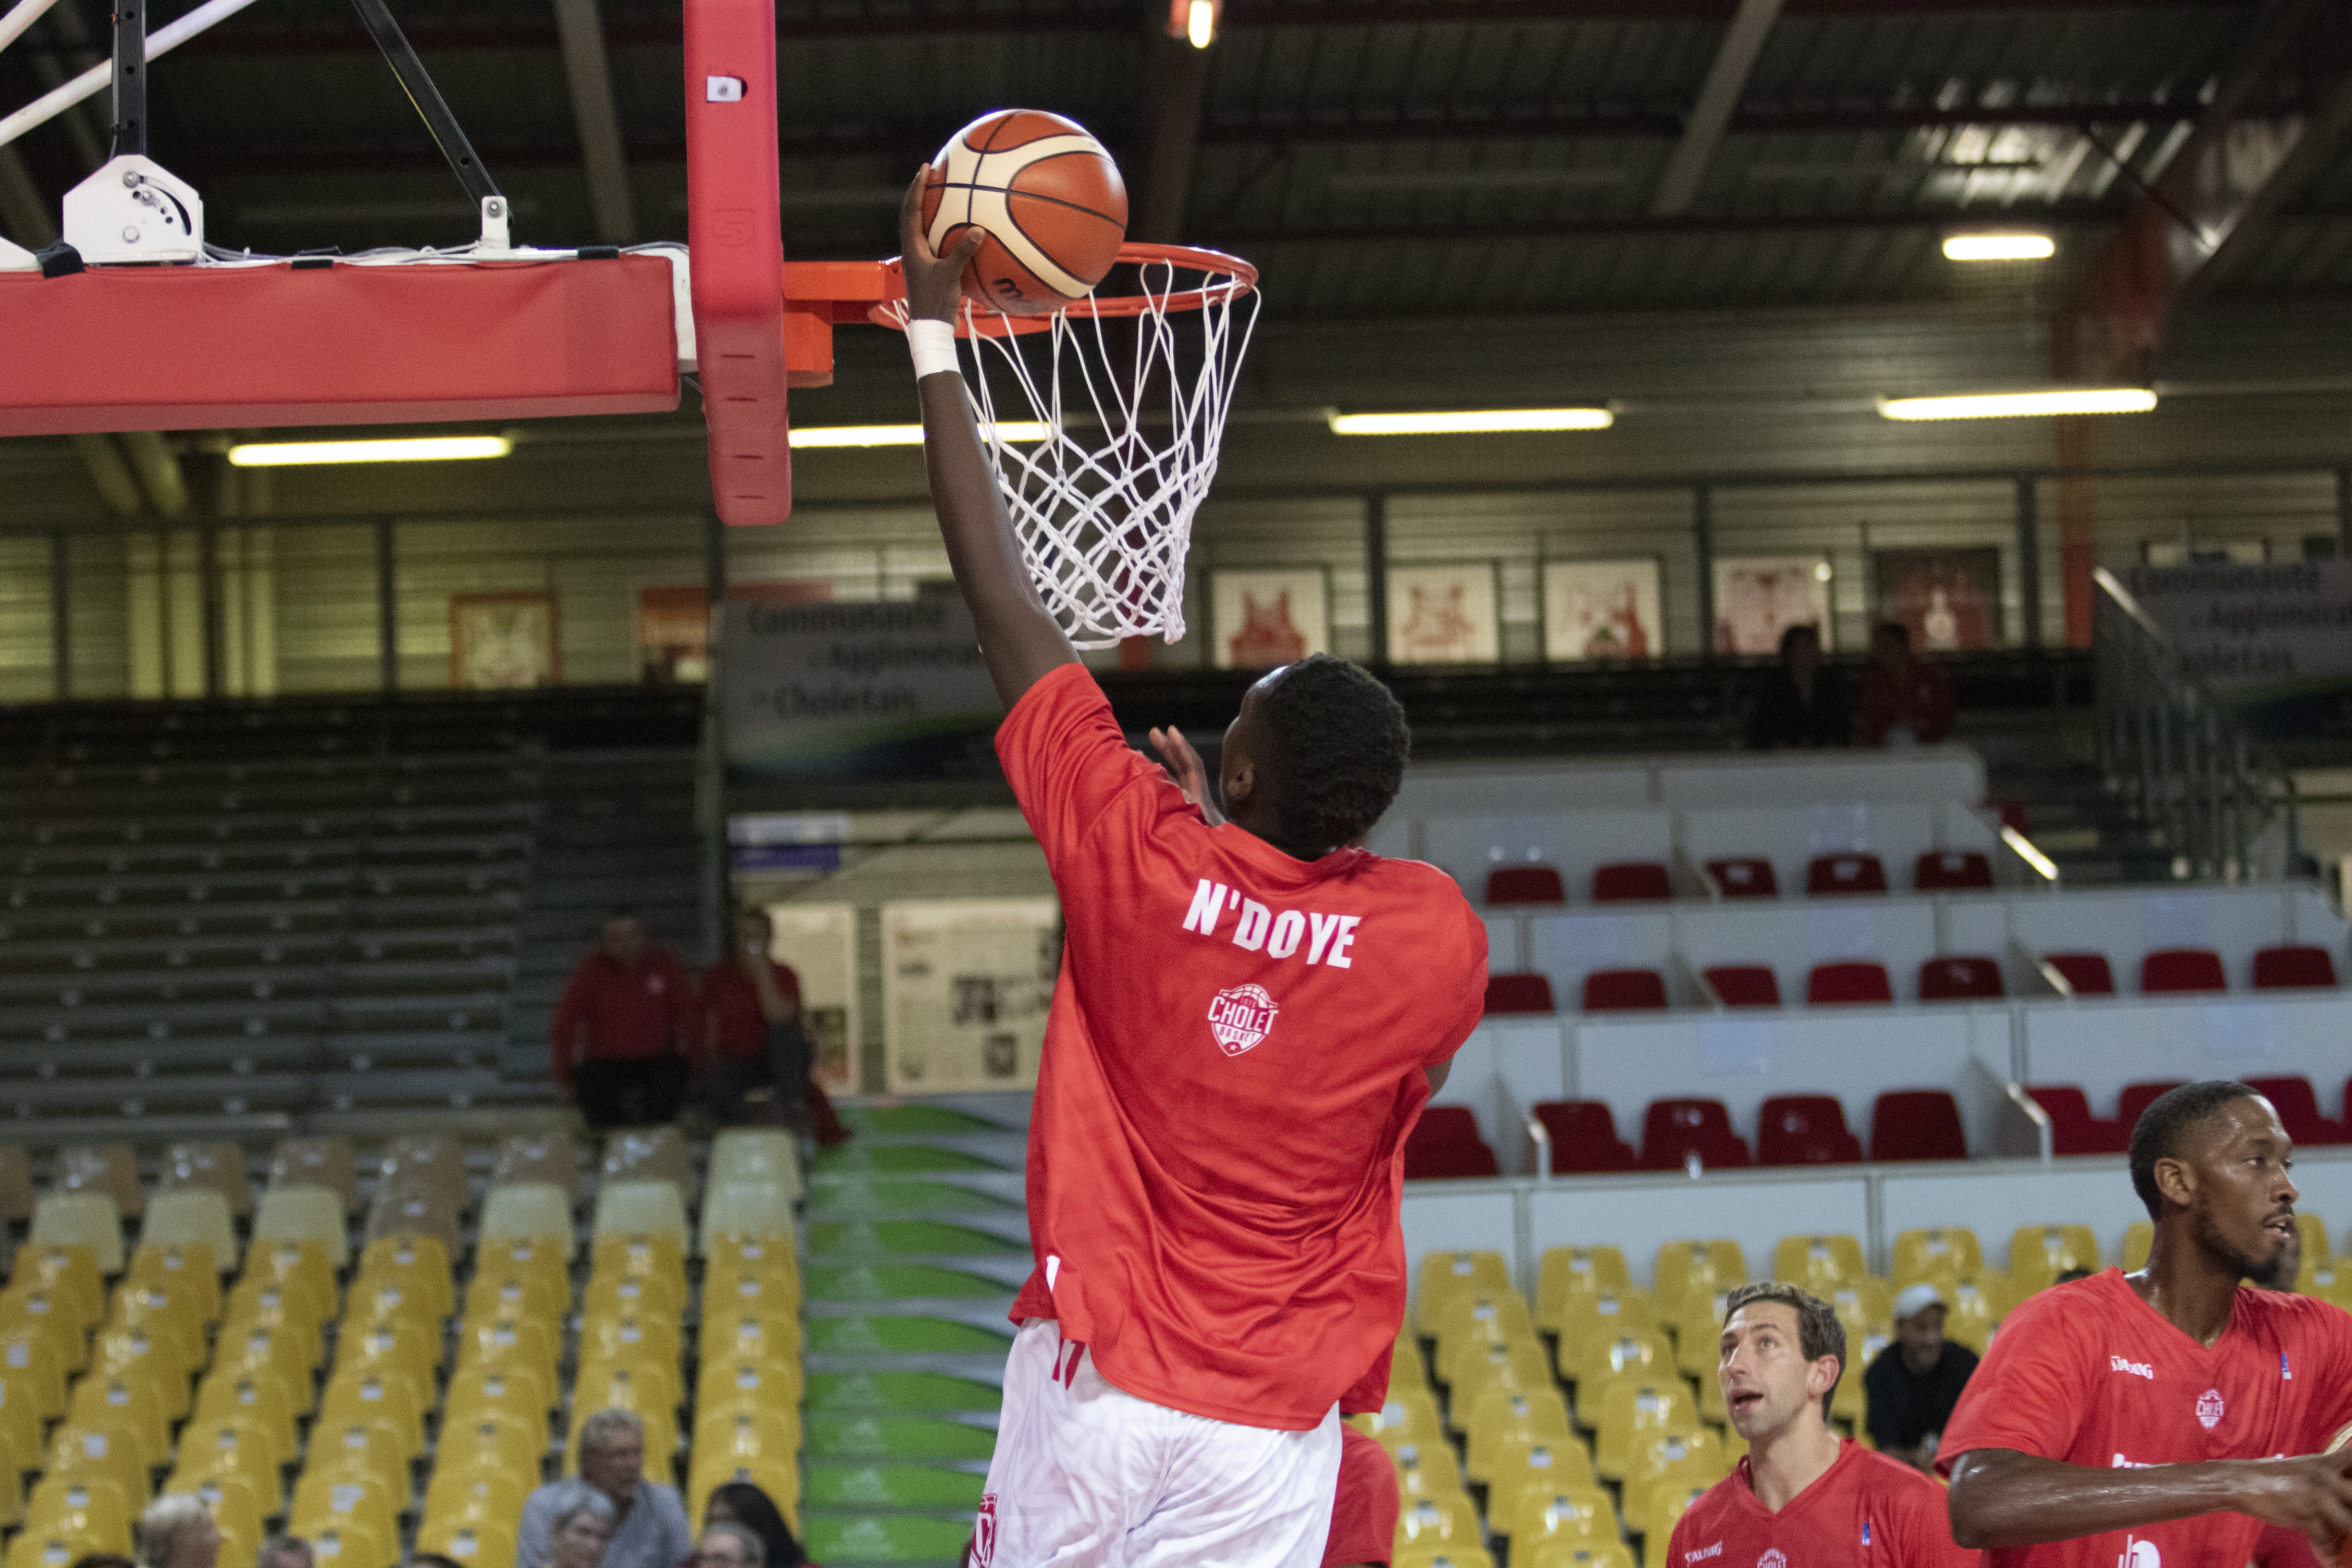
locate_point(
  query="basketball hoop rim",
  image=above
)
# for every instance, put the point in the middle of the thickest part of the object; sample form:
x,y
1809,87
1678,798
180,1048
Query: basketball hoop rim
x,y
1238,278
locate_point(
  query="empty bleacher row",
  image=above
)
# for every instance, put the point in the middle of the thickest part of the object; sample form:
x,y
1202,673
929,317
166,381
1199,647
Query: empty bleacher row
x,y
1572,1429
306,1369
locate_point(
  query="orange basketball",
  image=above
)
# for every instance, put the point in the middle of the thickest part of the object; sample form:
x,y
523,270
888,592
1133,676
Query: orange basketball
x,y
1046,195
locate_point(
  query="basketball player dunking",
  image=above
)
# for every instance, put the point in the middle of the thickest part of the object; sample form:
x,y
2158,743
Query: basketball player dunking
x,y
1252,1011
2162,1419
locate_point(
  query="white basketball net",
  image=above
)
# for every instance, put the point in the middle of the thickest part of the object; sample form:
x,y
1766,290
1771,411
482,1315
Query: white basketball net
x,y
1103,503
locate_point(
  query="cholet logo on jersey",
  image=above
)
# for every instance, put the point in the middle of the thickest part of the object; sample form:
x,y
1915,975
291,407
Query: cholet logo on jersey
x,y
2137,1553
1241,1017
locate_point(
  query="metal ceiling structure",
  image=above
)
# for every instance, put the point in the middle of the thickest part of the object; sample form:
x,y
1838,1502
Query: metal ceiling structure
x,y
1373,156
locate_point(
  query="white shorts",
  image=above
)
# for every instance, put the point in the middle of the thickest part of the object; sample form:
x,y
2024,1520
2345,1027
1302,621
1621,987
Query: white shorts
x,y
1086,1474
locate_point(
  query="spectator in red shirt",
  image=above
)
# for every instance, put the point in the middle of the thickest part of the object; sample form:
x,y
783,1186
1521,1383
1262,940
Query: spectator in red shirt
x,y
624,1032
1364,1511
756,1037
1905,701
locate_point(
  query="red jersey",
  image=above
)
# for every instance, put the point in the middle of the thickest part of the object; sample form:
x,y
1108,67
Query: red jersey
x,y
1865,1511
1364,1514
1919,700
610,1012
737,1028
2092,1375
1233,1059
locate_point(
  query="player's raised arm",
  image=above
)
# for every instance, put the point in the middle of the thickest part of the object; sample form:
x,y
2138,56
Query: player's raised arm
x,y
1020,641
2002,1498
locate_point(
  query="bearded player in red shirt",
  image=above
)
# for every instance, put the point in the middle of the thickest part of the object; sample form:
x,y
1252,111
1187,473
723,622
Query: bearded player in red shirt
x,y
2163,1419
1803,1495
1250,1014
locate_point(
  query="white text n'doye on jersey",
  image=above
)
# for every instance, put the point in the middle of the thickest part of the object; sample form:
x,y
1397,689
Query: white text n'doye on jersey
x,y
1279,933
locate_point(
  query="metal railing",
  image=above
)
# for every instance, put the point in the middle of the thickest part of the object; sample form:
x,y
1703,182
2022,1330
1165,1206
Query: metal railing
x,y
2178,757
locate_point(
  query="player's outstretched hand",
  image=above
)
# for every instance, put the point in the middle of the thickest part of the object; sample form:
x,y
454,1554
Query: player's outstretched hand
x,y
2312,1492
934,281
1183,764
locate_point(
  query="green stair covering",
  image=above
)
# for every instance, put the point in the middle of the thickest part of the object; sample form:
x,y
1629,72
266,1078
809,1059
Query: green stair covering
x,y
896,1448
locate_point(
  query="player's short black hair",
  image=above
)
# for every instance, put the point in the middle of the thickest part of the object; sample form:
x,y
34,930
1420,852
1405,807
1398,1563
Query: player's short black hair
x,y
2168,1117
1340,743
1819,1332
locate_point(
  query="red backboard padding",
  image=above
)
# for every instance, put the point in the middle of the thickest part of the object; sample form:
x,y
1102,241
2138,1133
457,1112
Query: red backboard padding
x,y
200,348
734,232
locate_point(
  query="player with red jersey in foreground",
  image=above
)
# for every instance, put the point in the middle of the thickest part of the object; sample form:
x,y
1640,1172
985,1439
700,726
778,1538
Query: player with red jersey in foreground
x,y
2147,1419
1249,1018
1804,1496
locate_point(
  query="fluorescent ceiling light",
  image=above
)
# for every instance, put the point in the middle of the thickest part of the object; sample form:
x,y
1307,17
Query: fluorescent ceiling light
x,y
1200,23
901,434
2008,405
403,449
1473,421
1998,248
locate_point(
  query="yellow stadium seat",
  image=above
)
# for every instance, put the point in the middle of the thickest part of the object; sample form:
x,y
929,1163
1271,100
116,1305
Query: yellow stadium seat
x,y
1695,1455
750,1293
537,1212
1481,1367
30,1313
526,1254
192,1265
1547,1459
747,1207
33,1549
1409,1418
1656,1522
298,1272
174,1308
375,1400
279,1322
2139,1239
340,1545
545,1158
1427,1471
304,1214
396,1303
150,1354
1447,1275
1439,1520
1442,1555
1849,1403
630,1338
194,1217
2038,1253
1566,1273
244,1441
276,1358
1707,1268
1569,1552
1928,1253
514,1392
70,1272
402,1350
97,1398
1819,1263
1590,1316
317,1163
516,1293
751,1385
1977,1305
85,1508
237,1496
642,1208
618,1296
420,1260
1864,1306
1501,1416
432,1163
105,1450
651,1393
746,1440
32,1367
735,1254
21,1422
472,1543
741,1152
1535,1509
229,1394
81,1219
508,1342
780,1479
356,1448
1696,1321
495,1445
774,1337
637,1255
1630,1412
1644,1354
1467,1320
239,1520
344,1497
648,1154
464,1493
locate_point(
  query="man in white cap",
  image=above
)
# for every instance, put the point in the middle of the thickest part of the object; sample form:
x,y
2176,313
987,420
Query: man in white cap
x,y
1914,1382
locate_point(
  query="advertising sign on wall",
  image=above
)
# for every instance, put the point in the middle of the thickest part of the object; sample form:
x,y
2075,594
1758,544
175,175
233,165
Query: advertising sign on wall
x,y
1757,597
2256,633
818,943
1266,619
1444,615
966,984
1949,600
1601,609
889,689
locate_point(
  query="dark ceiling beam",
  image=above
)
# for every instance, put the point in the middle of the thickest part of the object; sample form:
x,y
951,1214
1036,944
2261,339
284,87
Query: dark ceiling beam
x,y
1718,96
1175,83
590,76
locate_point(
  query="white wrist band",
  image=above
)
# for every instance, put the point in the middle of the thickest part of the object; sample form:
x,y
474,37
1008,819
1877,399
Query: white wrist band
x,y
934,344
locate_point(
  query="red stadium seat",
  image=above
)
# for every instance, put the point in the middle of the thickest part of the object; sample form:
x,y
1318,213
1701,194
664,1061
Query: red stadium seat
x,y
1845,982
2298,1111
1951,870
1674,1128
2137,1097
2183,969
2294,969
2087,973
1916,1124
1630,882
1584,1138
1524,885
1831,874
2073,1129
1804,1130
1445,1145
1745,986
1624,991
1744,879
1961,980
1517,994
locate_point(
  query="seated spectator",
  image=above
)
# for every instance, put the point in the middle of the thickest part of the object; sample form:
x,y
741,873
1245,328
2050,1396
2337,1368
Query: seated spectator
x,y
580,1526
1914,1381
1801,703
756,1037
1905,701
288,1552
743,1506
177,1532
624,1033
645,1519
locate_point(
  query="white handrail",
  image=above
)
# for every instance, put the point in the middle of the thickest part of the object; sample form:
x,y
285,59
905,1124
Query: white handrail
x,y
13,25
164,39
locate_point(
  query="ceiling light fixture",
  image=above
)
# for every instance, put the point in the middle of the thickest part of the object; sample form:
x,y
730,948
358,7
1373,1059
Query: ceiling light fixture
x,y
900,435
2012,404
2022,246
1471,422
1194,21
402,449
